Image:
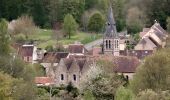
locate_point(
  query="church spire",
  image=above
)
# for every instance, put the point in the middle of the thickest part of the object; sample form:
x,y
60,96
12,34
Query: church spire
x,y
111,30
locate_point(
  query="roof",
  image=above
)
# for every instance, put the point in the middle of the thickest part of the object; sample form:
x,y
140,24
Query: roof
x,y
69,61
126,64
26,50
111,30
76,48
44,80
145,44
121,64
53,57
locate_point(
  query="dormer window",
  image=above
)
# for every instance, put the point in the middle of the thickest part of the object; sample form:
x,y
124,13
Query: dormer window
x,y
74,77
62,77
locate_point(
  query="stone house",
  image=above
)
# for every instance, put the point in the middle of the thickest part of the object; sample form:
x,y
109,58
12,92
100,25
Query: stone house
x,y
70,70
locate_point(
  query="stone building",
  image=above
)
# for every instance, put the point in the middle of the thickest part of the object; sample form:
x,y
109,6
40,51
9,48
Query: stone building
x,y
111,38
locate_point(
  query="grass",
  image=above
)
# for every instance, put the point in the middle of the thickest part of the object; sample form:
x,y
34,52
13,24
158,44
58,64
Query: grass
x,y
45,38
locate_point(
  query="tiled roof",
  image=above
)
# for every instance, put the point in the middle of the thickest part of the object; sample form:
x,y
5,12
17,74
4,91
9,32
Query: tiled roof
x,y
126,64
44,80
69,61
53,57
26,51
75,48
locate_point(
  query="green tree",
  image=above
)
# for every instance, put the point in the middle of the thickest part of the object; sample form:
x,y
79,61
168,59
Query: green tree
x,y
70,25
96,22
153,73
135,20
4,38
168,24
73,7
124,94
119,13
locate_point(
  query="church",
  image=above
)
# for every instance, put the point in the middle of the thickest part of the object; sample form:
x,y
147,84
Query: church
x,y
111,38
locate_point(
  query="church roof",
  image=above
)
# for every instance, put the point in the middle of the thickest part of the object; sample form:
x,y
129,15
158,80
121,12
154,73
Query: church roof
x,y
111,30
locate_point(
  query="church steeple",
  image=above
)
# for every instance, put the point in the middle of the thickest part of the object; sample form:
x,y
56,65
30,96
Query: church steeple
x,y
111,30
111,38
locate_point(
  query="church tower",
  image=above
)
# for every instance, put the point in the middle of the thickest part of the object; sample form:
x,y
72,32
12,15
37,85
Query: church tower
x,y
111,38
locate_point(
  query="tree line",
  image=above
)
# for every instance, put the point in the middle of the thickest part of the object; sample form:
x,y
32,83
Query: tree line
x,y
129,14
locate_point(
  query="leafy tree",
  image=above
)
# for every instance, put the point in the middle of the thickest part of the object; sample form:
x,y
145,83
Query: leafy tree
x,y
70,25
96,22
119,13
88,95
148,95
73,7
153,73
135,21
23,25
101,83
168,24
124,94
4,38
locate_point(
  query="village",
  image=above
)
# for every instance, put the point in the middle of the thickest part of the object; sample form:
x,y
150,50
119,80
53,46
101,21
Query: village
x,y
70,66
102,51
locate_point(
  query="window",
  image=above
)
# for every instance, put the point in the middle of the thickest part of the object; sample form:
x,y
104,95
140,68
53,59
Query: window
x,y
74,77
62,77
27,59
109,44
106,44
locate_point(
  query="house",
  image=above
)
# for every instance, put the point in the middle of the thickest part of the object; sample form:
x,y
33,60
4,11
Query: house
x,y
52,59
28,53
77,49
71,70
151,39
126,66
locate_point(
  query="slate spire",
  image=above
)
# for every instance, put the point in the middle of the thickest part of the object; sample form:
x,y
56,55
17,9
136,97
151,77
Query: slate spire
x,y
111,30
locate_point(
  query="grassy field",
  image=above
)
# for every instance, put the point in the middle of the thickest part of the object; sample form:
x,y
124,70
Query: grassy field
x,y
46,37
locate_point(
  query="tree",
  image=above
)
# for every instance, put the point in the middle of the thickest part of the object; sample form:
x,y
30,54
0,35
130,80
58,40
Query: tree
x,y
96,22
153,73
4,38
119,13
135,20
73,7
124,94
148,95
70,25
101,83
168,24
23,25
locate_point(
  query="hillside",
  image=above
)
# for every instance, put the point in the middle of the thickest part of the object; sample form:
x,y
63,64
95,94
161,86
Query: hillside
x,y
47,37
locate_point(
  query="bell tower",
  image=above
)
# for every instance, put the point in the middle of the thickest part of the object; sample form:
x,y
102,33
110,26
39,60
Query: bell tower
x,y
111,38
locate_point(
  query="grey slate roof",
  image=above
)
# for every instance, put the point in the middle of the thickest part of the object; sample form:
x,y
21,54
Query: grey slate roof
x,y
111,30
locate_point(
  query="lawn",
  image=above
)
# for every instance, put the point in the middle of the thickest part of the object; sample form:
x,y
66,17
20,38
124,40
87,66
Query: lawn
x,y
46,37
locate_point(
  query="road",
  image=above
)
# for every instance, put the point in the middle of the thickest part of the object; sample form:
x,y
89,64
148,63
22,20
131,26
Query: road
x,y
90,45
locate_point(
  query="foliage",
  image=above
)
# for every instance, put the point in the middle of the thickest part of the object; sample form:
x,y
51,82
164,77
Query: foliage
x,y
124,94
73,7
96,22
39,70
70,25
135,20
23,25
147,95
168,24
119,13
153,73
88,95
4,38
102,84
16,68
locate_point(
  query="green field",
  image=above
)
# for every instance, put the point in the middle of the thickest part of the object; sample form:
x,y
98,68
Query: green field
x,y
47,37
